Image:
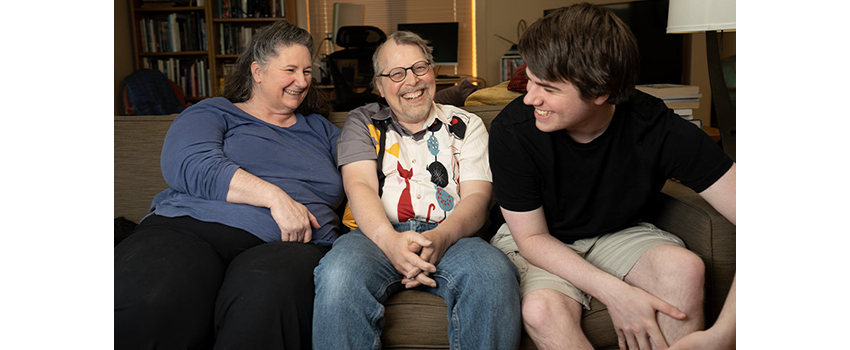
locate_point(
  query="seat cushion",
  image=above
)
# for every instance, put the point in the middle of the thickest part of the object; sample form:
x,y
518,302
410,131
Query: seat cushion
x,y
419,320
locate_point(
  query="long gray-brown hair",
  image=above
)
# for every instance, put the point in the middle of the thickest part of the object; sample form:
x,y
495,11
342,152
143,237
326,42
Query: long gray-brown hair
x,y
263,46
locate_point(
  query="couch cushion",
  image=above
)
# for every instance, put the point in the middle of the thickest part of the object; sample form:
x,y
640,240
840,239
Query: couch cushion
x,y
138,144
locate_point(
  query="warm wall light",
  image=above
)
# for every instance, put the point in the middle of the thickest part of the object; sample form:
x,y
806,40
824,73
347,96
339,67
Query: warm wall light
x,y
710,16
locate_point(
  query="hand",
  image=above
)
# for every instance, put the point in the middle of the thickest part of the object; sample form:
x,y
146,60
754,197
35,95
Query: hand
x,y
294,220
707,340
406,262
634,316
432,254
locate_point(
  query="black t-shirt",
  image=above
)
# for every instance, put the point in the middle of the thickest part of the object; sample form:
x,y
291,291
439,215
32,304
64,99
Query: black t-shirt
x,y
591,189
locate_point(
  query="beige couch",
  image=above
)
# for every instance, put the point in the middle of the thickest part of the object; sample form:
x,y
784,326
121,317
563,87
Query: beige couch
x,y
417,320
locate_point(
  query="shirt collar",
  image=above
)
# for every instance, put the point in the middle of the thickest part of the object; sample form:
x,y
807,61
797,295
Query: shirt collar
x,y
435,114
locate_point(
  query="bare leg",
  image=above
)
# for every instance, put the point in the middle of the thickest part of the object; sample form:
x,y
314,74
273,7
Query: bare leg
x,y
553,320
677,276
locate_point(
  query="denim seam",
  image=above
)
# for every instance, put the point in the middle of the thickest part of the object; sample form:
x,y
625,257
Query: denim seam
x,y
382,298
455,318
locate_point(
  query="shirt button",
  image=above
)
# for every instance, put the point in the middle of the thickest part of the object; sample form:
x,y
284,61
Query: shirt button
x,y
418,196
414,161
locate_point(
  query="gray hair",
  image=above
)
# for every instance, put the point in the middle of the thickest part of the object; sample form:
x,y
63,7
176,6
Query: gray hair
x,y
402,37
263,46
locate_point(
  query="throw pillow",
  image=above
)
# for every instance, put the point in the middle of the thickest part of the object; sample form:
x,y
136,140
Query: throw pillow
x,y
455,95
518,80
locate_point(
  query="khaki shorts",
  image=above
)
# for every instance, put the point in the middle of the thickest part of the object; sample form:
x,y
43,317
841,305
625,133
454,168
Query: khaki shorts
x,y
615,253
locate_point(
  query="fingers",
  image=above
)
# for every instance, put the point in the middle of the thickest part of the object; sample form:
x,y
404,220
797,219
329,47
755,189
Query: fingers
x,y
421,240
313,222
669,310
621,340
641,339
420,279
308,235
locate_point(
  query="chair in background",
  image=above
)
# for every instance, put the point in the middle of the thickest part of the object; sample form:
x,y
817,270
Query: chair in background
x,y
351,68
149,92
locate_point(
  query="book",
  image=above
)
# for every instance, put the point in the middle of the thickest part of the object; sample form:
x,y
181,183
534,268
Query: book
x,y
663,90
681,97
682,104
685,113
697,122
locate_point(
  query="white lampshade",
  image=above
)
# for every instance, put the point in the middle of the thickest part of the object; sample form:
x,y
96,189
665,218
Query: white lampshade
x,y
690,16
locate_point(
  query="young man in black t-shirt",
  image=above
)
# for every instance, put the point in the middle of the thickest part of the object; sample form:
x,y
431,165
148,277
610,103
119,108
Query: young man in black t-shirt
x,y
575,161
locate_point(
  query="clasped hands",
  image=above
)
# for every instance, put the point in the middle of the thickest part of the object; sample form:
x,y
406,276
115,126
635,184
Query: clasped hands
x,y
415,256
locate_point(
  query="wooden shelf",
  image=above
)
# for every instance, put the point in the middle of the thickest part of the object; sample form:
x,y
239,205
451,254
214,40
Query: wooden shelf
x,y
173,53
170,9
246,20
206,23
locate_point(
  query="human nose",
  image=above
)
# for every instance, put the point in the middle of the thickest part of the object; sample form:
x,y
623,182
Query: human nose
x,y
302,79
409,76
531,96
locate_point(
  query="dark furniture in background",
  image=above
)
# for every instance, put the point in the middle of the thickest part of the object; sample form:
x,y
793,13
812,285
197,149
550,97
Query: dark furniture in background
x,y
351,68
148,92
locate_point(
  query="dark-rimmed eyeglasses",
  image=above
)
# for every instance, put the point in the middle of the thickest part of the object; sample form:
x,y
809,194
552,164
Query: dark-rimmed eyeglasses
x,y
398,74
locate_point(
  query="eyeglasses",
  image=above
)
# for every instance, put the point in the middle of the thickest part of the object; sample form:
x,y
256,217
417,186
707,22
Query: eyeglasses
x,y
398,74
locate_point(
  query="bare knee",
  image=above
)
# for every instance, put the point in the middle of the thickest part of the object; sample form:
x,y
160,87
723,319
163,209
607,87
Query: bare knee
x,y
689,270
668,265
551,317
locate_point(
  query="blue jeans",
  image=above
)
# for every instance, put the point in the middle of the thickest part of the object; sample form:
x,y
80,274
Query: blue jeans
x,y
478,282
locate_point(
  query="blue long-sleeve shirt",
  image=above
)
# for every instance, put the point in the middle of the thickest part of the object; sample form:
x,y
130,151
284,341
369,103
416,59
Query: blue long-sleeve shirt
x,y
210,140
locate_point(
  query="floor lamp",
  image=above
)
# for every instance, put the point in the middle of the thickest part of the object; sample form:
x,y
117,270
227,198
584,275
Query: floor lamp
x,y
709,17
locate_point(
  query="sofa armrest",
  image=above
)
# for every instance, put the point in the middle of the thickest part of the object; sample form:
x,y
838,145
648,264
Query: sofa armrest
x,y
685,213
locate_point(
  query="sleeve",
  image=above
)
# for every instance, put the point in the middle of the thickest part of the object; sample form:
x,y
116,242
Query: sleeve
x,y
358,139
193,159
695,159
334,141
474,158
514,181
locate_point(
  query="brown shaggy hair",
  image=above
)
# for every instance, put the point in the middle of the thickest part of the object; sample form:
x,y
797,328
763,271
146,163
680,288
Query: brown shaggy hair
x,y
589,47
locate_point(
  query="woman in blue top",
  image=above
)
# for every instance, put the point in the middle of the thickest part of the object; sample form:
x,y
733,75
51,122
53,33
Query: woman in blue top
x,y
225,258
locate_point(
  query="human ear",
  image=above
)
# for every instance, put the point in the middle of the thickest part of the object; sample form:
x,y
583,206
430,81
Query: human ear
x,y
379,87
601,100
255,71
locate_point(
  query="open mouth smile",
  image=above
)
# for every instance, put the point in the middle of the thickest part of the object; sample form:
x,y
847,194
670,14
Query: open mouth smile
x,y
413,94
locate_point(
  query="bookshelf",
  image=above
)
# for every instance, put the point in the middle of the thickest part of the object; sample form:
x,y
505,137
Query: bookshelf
x,y
195,42
509,63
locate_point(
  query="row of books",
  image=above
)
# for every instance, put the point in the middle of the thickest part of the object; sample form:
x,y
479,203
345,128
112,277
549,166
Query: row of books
x,y
251,8
234,38
192,75
178,32
682,99
226,70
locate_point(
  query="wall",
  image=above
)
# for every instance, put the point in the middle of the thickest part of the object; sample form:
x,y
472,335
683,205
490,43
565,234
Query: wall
x,y
123,60
502,16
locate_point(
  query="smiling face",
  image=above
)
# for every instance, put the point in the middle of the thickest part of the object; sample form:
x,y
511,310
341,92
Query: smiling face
x,y
560,106
410,99
283,83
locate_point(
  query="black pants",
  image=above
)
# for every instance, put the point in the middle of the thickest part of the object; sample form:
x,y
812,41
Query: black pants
x,y
181,283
